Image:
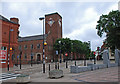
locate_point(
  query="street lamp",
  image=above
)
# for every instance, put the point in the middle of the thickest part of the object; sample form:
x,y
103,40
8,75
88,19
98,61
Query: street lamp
x,y
31,58
94,57
20,58
60,50
71,51
9,47
42,18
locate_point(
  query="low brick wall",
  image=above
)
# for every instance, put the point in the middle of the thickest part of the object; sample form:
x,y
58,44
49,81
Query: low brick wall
x,y
97,66
113,64
78,69
101,66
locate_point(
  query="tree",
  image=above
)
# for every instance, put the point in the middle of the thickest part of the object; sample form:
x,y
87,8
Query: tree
x,y
64,45
80,47
67,46
86,50
110,24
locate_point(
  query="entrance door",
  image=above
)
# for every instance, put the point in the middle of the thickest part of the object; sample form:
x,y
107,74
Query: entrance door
x,y
38,58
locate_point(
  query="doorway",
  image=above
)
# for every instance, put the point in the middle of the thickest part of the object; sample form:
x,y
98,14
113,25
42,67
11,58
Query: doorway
x,y
38,58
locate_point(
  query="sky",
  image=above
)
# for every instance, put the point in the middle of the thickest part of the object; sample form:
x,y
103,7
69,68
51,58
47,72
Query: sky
x,y
79,18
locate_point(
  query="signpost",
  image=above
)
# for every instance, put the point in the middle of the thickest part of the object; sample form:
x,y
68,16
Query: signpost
x,y
56,60
94,57
66,54
56,52
3,54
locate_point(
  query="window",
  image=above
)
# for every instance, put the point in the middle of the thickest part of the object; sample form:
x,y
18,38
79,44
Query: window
x,y
38,46
31,46
25,56
3,48
19,47
25,46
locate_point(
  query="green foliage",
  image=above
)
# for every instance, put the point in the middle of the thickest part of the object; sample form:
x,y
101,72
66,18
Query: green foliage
x,y
63,44
110,24
92,54
67,46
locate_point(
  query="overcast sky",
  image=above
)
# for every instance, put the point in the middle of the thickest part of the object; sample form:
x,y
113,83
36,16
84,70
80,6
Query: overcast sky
x,y
79,17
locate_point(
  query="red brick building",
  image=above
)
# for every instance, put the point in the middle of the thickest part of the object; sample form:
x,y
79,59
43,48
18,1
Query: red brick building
x,y
32,46
8,39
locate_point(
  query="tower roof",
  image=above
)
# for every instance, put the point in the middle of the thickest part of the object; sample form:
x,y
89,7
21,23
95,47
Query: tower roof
x,y
53,14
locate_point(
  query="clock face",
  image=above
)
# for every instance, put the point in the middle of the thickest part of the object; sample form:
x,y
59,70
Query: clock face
x,y
59,21
51,21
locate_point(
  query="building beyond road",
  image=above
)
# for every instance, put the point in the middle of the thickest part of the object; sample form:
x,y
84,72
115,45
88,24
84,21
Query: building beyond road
x,y
31,46
8,40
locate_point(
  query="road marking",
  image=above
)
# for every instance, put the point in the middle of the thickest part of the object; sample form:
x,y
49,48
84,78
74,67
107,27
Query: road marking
x,y
7,76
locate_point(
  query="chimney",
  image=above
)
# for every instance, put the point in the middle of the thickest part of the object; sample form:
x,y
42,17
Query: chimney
x,y
15,20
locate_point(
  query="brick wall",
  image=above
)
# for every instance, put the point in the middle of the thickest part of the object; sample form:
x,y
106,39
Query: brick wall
x,y
6,26
53,32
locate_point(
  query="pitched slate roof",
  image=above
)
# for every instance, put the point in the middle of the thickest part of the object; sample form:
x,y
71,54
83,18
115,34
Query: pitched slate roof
x,y
30,38
5,19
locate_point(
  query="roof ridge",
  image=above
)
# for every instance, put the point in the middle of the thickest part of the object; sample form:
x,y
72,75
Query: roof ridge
x,y
33,36
30,38
3,18
7,20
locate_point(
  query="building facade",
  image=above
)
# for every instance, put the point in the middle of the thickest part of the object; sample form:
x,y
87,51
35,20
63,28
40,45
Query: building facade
x,y
8,40
32,46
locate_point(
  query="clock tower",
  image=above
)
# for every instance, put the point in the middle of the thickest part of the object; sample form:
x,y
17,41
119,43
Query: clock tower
x,y
53,29
53,25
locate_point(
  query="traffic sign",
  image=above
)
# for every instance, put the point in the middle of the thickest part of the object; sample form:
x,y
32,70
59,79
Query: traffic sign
x,y
3,54
56,52
18,56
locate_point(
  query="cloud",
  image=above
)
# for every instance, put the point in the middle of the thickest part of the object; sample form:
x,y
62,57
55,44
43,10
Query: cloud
x,y
90,15
111,7
87,22
28,14
79,18
85,26
19,8
59,0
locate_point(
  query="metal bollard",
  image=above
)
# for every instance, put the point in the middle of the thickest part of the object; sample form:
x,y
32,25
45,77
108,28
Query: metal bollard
x,y
66,65
58,65
75,63
49,67
55,65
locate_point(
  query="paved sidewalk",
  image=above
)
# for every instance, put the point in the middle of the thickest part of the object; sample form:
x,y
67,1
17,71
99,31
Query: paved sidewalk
x,y
28,69
100,75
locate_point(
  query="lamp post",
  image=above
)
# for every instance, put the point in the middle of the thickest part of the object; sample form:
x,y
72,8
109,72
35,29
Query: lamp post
x,y
31,59
42,18
60,50
9,48
20,58
71,51
89,47
94,58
